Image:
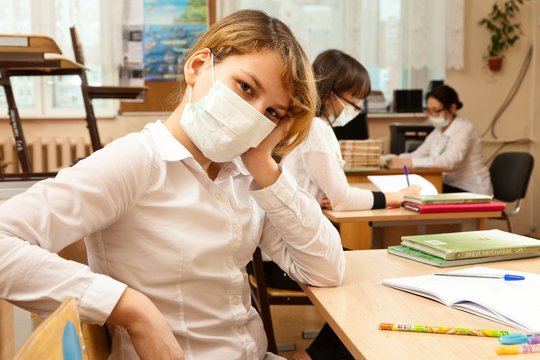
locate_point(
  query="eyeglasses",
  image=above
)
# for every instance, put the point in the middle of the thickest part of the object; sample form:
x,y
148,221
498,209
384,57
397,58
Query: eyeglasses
x,y
433,111
359,106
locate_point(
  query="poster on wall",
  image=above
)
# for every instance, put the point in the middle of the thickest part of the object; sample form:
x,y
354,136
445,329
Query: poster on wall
x,y
131,70
170,28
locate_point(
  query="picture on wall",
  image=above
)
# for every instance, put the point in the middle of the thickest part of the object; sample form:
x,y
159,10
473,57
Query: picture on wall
x,y
170,28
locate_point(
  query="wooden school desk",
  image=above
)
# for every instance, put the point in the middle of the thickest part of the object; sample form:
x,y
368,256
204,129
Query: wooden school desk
x,y
369,234
355,309
28,52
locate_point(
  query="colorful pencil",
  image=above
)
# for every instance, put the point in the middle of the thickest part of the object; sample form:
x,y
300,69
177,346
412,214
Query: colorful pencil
x,y
443,330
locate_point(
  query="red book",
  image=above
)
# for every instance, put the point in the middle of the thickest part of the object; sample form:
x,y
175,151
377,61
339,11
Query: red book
x,y
463,207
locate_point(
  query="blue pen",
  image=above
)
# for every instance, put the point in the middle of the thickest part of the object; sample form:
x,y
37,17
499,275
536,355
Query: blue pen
x,y
506,277
406,171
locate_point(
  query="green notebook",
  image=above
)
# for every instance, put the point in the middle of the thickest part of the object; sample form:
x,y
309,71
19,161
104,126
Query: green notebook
x,y
448,198
422,257
472,244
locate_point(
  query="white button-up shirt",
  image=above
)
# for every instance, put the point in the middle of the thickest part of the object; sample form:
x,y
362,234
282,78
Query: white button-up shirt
x,y
317,165
458,148
154,221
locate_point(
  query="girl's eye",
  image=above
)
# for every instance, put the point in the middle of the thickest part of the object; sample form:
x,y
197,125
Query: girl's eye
x,y
274,114
246,88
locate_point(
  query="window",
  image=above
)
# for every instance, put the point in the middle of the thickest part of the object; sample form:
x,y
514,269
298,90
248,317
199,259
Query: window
x,y
57,96
403,43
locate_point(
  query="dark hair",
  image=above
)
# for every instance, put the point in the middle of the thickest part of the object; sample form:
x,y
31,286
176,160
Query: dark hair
x,y
338,72
446,96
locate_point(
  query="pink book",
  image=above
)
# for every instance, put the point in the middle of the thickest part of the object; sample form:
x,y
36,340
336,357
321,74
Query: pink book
x,y
463,207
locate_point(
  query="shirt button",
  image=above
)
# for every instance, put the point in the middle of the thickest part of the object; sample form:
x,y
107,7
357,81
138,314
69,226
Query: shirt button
x,y
230,264
236,229
236,300
219,195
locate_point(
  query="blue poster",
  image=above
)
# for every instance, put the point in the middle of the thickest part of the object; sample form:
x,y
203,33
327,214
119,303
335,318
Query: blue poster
x,y
170,28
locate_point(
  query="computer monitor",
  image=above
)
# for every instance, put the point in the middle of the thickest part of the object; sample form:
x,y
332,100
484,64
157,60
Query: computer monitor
x,y
356,129
407,101
406,138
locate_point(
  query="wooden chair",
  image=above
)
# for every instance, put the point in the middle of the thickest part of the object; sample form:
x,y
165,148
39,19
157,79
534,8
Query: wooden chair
x,y
95,339
263,296
98,92
58,337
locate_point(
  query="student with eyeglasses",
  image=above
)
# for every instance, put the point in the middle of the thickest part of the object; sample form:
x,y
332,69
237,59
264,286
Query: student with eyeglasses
x,y
317,165
453,144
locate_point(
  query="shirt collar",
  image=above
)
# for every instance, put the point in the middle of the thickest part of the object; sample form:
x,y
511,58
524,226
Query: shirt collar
x,y
171,149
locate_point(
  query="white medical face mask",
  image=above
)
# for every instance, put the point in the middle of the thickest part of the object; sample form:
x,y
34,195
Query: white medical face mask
x,y
222,124
346,115
439,121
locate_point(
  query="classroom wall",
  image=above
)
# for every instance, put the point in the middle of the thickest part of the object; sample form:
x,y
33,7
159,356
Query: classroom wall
x,y
481,91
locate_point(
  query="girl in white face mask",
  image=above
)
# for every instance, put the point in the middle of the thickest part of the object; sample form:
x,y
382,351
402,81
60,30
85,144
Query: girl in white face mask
x,y
171,215
454,144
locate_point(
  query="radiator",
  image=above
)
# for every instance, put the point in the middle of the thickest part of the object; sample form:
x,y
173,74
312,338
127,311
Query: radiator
x,y
46,154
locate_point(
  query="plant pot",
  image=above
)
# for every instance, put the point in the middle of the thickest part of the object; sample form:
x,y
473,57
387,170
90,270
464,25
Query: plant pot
x,y
495,63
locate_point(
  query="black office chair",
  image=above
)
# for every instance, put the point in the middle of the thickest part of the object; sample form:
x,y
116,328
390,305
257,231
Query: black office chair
x,y
510,173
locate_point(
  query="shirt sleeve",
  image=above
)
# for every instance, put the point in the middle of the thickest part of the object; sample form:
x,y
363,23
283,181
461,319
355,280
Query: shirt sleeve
x,y
324,169
297,236
56,212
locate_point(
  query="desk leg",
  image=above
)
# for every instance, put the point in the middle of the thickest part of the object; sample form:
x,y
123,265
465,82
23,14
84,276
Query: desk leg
x,y
355,236
481,224
15,121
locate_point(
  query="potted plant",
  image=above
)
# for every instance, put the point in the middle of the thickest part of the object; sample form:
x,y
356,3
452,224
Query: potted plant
x,y
505,31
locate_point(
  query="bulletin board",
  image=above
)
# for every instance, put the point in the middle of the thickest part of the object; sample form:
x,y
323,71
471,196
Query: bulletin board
x,y
162,96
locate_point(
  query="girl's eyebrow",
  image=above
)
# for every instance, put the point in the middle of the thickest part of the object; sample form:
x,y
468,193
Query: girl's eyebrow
x,y
261,87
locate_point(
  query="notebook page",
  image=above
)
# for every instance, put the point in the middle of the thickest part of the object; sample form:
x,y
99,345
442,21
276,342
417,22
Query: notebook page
x,y
393,183
509,302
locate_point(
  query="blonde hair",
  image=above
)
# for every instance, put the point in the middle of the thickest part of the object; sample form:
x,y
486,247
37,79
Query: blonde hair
x,y
250,31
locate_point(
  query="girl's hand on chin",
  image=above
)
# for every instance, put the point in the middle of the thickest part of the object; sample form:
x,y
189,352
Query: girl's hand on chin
x,y
264,151
259,162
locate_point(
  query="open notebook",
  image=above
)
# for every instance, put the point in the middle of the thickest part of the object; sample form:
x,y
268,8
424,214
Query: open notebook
x,y
513,303
393,183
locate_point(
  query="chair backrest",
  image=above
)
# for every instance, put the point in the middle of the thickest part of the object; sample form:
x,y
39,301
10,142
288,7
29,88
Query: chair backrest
x,y
510,173
264,296
77,47
58,337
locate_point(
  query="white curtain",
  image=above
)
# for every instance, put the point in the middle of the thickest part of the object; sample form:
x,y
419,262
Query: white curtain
x,y
419,33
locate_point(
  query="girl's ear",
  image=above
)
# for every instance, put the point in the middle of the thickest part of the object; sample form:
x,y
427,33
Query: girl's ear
x,y
453,109
195,64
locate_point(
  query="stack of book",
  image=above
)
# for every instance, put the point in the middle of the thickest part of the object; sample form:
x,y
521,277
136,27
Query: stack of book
x,y
468,247
361,154
451,202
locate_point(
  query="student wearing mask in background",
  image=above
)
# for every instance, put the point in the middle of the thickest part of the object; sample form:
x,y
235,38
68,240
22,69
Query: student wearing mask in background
x,y
172,214
317,165
453,144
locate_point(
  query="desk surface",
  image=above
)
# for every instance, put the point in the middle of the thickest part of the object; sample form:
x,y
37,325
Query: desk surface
x,y
401,214
355,309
